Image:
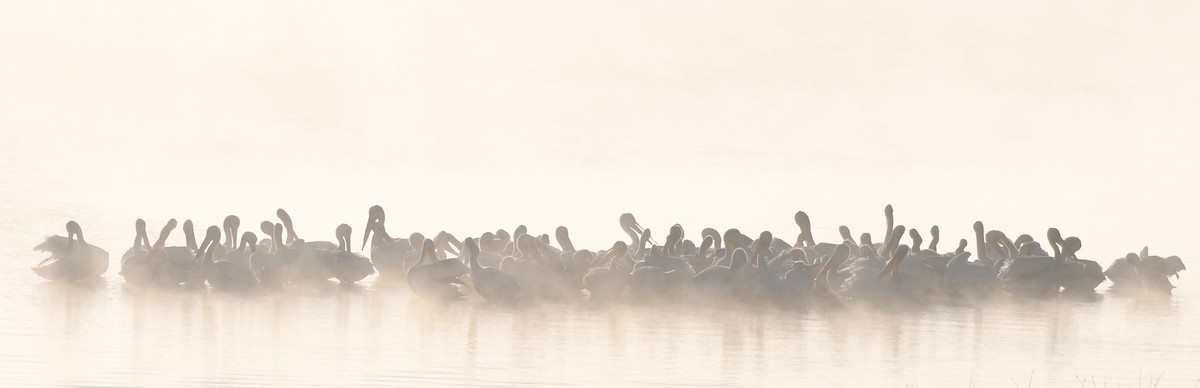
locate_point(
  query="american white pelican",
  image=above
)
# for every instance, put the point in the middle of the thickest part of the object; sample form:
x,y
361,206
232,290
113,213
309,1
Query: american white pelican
x,y
181,266
148,265
241,254
315,263
71,258
1144,272
490,283
607,282
349,267
716,283
273,266
223,274
389,255
230,227
1036,276
872,284
137,266
432,279
1082,276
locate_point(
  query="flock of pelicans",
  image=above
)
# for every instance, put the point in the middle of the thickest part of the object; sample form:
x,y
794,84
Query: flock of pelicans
x,y
502,267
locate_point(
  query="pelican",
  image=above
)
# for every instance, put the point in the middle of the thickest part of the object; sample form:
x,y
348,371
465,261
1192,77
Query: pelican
x,y
607,283
181,264
230,227
715,282
490,283
240,255
432,279
1037,276
273,266
315,262
349,267
71,258
1083,276
540,278
148,265
872,284
137,266
801,284
388,255
267,243
223,274
1144,273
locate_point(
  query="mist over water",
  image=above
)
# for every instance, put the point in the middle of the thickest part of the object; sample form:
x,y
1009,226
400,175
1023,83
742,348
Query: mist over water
x,y
473,116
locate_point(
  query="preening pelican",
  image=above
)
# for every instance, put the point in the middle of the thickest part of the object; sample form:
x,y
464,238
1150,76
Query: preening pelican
x,y
148,265
490,283
71,258
137,266
181,266
432,279
223,274
608,279
349,267
273,266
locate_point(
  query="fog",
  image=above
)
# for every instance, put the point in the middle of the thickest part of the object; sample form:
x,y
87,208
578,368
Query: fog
x,y
471,116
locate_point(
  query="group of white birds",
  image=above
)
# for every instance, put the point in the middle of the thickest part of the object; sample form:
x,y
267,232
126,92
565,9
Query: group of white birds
x,y
518,267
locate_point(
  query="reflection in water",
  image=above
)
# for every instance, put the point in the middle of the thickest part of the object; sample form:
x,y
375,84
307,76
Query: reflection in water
x,y
108,335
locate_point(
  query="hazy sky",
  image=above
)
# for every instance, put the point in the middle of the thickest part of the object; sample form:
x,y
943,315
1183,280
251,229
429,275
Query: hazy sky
x,y
1065,108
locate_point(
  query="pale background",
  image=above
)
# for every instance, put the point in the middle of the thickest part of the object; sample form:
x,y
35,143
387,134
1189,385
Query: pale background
x,y
475,115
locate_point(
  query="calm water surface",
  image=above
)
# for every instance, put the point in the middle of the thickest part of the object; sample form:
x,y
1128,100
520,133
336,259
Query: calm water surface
x,y
375,334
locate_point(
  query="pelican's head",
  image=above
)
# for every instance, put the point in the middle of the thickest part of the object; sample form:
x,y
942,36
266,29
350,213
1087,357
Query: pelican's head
x,y
916,237
139,227
471,247
629,224
1133,258
212,238
526,245
802,221
677,231
231,226
343,236
1071,245
564,238
166,231
73,230
764,240
618,250
1054,236
731,238
428,254
249,239
375,213
845,232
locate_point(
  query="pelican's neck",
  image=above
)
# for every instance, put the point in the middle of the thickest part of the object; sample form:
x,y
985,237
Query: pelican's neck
x,y
634,239
980,246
